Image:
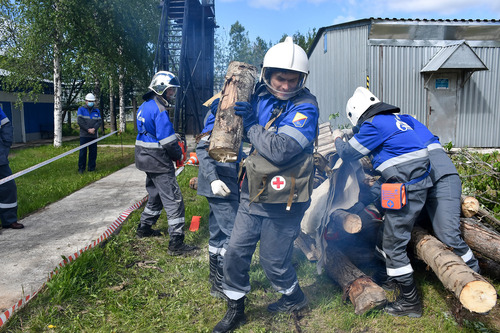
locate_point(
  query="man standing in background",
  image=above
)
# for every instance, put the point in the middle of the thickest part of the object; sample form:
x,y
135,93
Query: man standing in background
x,y
89,120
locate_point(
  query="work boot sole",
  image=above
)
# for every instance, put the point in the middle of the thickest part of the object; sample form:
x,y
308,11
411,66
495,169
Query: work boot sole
x,y
403,312
180,252
296,307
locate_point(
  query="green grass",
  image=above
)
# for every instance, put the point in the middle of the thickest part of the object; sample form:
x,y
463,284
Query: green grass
x,y
133,285
60,178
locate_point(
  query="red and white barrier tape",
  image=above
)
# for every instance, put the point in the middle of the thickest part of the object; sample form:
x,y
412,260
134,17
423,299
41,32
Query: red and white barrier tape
x,y
112,228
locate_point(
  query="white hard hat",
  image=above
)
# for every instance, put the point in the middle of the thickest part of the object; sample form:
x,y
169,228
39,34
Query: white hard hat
x,y
162,81
287,56
360,101
90,97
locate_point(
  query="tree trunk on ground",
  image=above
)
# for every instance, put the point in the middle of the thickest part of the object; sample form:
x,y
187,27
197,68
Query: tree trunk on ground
x,y
470,206
488,267
228,130
474,292
361,290
480,239
308,246
343,220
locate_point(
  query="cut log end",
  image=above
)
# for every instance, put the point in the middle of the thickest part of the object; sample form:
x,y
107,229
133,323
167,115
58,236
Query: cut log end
x,y
470,206
352,224
478,296
223,155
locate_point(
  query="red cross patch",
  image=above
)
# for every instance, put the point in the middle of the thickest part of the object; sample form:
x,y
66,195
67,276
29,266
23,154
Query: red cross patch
x,y
278,183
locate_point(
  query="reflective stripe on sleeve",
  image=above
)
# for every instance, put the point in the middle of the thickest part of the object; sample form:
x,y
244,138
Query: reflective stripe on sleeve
x,y
434,146
414,155
294,133
359,147
168,139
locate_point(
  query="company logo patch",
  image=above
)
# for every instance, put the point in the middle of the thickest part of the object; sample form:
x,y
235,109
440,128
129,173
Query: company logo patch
x,y
299,120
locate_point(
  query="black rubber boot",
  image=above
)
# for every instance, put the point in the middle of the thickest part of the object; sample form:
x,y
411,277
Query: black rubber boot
x,y
293,302
213,260
216,290
177,247
145,230
407,302
234,316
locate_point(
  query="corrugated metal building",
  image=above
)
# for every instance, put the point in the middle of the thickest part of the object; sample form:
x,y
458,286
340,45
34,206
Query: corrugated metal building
x,y
446,73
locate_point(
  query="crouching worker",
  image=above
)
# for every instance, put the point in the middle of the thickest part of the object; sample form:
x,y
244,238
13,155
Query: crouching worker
x,y
156,150
281,123
403,162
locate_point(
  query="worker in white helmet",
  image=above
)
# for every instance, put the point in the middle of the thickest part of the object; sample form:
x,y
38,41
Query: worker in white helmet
x,y
402,160
89,120
156,150
280,122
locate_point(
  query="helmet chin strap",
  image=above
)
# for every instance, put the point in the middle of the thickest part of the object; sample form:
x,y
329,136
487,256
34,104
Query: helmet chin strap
x,y
277,93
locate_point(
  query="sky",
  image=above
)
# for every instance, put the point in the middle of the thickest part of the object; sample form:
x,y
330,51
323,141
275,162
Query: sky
x,y
270,19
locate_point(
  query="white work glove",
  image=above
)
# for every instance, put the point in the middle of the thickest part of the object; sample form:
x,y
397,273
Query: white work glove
x,y
337,134
220,188
348,133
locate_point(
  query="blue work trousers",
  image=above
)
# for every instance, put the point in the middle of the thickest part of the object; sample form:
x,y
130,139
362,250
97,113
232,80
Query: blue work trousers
x,y
276,235
82,158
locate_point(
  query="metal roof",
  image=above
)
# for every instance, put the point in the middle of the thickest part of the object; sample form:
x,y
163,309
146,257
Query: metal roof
x,y
420,32
455,56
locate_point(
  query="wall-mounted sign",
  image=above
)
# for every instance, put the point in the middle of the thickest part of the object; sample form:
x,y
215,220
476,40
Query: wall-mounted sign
x,y
442,83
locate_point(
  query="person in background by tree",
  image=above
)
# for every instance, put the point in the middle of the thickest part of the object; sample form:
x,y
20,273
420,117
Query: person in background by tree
x,y
400,157
8,190
157,148
218,182
89,120
281,123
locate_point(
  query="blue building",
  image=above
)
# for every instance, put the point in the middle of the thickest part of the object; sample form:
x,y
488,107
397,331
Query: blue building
x,y
32,120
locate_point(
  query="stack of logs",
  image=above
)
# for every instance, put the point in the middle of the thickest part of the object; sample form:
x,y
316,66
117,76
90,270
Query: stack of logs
x,y
350,251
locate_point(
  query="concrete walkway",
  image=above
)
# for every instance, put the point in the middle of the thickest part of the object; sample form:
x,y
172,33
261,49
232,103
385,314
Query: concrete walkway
x,y
62,228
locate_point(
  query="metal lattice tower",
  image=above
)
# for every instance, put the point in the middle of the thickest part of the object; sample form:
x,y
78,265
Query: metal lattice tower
x,y
186,48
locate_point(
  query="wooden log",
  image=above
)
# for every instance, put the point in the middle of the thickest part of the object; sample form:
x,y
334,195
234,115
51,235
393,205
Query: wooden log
x,y
483,214
308,246
488,267
228,130
364,294
470,206
481,239
471,289
350,223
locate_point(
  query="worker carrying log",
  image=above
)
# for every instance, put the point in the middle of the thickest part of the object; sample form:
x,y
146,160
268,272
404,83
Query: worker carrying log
x,y
280,122
403,162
